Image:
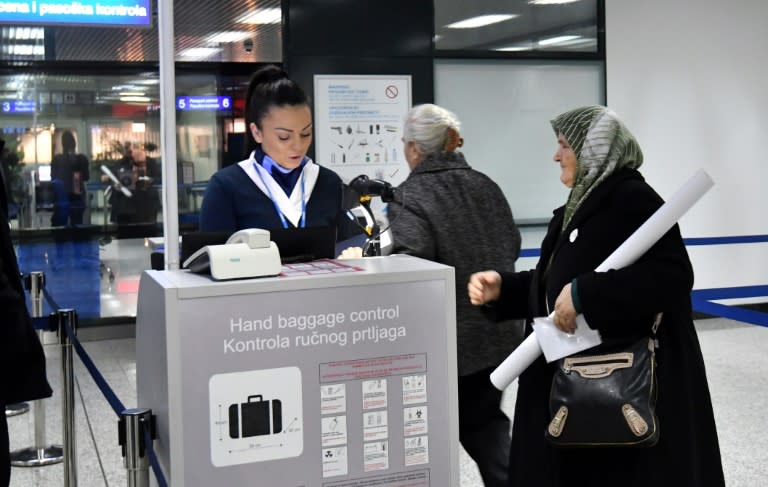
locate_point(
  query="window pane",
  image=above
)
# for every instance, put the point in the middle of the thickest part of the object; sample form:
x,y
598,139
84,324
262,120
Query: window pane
x,y
516,25
506,127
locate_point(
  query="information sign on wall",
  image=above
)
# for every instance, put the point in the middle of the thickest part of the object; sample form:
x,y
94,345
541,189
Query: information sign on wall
x,y
203,103
359,125
104,13
18,106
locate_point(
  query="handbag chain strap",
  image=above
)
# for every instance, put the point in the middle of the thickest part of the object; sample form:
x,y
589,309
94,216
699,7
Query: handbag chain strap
x,y
655,328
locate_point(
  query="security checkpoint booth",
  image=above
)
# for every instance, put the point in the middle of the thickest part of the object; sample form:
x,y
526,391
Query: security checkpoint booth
x,y
332,374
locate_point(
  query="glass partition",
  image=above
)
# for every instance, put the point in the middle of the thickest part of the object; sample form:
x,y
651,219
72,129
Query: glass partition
x,y
83,167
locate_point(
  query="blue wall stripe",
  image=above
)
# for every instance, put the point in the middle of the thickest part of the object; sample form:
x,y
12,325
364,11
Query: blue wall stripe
x,y
740,239
730,292
530,253
731,312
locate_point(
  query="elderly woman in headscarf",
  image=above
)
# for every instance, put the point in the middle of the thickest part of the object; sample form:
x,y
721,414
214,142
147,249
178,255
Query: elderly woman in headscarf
x,y
609,200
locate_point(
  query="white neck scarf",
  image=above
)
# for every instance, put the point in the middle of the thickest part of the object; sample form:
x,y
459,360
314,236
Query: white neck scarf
x,y
291,206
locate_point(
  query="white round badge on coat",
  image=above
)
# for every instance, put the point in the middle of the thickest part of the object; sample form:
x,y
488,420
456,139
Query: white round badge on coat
x,y
574,235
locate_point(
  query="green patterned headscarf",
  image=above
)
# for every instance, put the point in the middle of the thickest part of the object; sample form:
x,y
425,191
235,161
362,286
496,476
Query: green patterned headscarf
x,y
602,145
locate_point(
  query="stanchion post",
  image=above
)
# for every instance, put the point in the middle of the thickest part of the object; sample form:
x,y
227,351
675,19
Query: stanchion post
x,y
133,425
16,409
40,454
68,317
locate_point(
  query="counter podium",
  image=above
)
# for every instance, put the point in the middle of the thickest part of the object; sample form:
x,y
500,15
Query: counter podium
x,y
333,374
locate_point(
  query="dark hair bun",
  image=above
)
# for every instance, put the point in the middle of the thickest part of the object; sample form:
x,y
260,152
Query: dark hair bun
x,y
268,75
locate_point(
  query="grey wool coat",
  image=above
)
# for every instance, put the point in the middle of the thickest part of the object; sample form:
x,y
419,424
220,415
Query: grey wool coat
x,y
449,213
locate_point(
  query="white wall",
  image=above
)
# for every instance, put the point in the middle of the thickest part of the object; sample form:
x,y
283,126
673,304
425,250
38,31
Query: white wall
x,y
505,108
689,78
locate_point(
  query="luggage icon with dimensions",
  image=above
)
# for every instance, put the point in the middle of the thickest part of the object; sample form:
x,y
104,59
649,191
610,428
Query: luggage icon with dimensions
x,y
255,417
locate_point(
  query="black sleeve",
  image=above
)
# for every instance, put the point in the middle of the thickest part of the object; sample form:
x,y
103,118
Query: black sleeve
x,y
514,298
624,301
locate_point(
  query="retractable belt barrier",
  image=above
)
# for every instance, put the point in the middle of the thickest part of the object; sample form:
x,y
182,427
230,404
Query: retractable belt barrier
x,y
136,427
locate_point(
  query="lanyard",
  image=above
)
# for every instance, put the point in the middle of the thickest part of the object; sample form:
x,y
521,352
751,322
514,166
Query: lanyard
x,y
303,219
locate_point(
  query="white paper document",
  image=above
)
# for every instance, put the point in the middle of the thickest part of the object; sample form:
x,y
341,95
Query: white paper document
x,y
555,344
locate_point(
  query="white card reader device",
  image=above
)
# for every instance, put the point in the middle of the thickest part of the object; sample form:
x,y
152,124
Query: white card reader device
x,y
247,253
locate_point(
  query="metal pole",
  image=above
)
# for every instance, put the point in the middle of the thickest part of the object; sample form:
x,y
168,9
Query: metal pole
x,y
133,424
68,317
39,454
168,132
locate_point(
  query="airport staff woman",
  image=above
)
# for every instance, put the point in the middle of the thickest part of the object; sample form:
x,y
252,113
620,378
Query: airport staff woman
x,y
278,186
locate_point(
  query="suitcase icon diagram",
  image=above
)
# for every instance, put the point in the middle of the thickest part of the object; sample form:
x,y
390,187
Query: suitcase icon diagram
x,y
255,417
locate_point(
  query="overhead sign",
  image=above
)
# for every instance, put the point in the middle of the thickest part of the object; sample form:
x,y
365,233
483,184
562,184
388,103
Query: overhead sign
x,y
18,106
118,13
203,102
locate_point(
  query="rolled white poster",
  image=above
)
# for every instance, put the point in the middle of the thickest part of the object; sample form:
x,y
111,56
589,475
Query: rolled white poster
x,y
516,362
627,253
659,223
116,181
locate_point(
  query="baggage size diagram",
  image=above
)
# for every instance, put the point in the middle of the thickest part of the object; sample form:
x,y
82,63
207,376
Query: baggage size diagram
x,y
255,416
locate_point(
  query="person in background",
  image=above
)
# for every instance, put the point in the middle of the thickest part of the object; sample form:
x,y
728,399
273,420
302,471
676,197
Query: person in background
x,y
145,172
608,201
137,172
69,172
449,213
22,362
277,186
8,161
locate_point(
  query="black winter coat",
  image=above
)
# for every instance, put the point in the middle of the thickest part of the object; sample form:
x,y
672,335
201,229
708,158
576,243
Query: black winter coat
x,y
22,362
620,304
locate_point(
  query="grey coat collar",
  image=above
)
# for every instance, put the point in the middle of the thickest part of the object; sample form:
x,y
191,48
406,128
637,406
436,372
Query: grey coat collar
x,y
442,162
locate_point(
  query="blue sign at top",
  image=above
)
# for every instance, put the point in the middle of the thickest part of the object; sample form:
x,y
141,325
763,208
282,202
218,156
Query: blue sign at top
x,y
118,13
204,102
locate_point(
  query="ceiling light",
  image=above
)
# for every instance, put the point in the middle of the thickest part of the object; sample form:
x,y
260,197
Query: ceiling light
x,y
480,21
25,49
556,40
134,99
24,33
227,37
262,16
513,48
550,2
131,93
579,41
199,52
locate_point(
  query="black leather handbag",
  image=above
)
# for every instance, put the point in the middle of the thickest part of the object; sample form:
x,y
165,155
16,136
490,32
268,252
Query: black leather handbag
x,y
606,397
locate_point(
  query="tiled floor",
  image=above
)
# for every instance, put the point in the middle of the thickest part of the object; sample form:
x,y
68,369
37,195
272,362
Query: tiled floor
x,y
734,354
